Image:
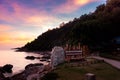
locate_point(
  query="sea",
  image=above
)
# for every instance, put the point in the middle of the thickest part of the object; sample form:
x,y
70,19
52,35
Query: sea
x,y
17,59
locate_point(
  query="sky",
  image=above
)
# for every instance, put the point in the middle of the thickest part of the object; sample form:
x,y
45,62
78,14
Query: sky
x,y
21,21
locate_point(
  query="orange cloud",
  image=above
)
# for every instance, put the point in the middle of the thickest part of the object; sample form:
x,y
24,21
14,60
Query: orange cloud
x,y
72,5
8,35
82,2
14,39
5,28
41,19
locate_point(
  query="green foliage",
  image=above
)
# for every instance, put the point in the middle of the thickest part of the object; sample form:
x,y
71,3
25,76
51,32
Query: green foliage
x,y
95,29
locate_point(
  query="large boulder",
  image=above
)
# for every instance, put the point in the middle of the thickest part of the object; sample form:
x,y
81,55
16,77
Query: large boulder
x,y
57,56
7,68
33,68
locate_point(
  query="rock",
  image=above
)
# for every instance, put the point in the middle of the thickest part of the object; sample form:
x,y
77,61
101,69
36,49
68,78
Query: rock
x,y
1,70
19,76
7,68
33,68
43,60
2,77
57,56
30,57
37,57
33,65
7,78
46,57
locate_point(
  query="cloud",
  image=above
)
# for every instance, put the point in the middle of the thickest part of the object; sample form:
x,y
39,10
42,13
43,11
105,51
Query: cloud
x,y
17,18
71,6
16,35
17,12
10,34
5,15
4,28
21,14
15,38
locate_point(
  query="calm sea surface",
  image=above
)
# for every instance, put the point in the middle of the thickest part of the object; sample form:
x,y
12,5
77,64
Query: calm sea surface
x,y
17,59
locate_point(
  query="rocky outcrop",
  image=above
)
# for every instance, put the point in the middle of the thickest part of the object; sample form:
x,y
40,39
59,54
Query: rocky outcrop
x,y
33,68
7,68
32,71
1,76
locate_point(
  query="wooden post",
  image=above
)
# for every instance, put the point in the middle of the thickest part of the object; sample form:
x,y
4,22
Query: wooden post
x,y
90,76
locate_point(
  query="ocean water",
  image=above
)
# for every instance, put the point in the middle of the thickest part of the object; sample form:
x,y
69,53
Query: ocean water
x,y
17,59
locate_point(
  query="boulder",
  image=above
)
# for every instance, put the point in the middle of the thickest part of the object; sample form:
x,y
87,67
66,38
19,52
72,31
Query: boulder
x,y
33,69
7,68
30,57
57,56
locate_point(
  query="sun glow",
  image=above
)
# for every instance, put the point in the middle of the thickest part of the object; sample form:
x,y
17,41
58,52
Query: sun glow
x,y
81,2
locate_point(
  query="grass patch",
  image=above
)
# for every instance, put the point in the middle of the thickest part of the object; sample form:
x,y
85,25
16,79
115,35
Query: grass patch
x,y
50,76
102,71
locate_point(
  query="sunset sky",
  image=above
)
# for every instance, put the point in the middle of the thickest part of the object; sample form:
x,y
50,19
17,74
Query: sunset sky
x,y
23,20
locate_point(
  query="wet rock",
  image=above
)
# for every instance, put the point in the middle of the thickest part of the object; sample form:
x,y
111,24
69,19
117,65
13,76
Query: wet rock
x,y
43,59
33,68
33,65
37,57
46,57
30,57
1,76
7,68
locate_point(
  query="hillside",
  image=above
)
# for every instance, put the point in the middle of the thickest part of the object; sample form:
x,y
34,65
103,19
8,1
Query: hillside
x,y
95,29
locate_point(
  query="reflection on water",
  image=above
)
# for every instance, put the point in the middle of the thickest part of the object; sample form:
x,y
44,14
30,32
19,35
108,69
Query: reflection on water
x,y
17,59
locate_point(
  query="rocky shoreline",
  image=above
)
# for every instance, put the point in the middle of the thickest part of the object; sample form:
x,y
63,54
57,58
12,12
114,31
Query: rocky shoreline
x,y
5,69
38,70
32,71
